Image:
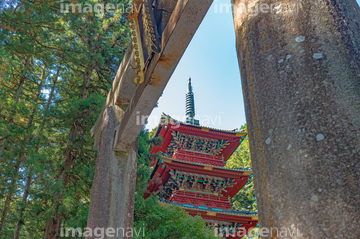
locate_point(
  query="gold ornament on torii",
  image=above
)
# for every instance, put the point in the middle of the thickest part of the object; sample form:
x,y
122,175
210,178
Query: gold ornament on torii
x,y
144,36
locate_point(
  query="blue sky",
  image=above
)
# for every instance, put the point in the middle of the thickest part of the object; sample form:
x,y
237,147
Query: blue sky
x,y
211,61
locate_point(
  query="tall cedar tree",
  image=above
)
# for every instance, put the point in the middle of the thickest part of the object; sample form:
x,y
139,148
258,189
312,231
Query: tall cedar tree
x,y
55,72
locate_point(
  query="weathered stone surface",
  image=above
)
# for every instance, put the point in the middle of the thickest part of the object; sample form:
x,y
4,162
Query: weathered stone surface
x,y
300,70
166,5
181,26
113,190
165,9
183,23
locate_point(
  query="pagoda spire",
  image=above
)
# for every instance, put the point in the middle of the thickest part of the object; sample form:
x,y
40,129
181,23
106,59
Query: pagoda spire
x,y
190,106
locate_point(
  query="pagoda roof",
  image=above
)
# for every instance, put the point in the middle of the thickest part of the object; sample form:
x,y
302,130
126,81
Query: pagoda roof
x,y
204,168
168,125
170,119
246,171
164,165
167,118
215,211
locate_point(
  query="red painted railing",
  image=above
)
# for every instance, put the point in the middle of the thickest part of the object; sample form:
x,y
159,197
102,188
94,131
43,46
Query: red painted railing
x,y
200,199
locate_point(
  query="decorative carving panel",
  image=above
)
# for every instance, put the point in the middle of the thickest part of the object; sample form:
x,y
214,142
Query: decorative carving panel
x,y
195,143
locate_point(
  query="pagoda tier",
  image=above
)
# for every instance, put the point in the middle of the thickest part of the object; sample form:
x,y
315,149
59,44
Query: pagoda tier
x,y
208,145
236,223
190,173
172,174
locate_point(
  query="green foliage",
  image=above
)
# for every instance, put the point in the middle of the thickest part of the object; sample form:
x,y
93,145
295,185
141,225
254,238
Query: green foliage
x,y
168,221
245,199
55,72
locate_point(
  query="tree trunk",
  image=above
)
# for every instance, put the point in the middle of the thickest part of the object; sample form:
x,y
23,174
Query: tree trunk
x,y
21,221
14,179
53,225
13,110
10,193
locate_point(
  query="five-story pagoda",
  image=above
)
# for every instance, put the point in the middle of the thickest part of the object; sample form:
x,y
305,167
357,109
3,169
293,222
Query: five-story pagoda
x,y
191,171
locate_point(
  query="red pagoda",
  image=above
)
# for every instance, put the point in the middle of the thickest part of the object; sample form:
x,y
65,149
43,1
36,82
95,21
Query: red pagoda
x,y
190,173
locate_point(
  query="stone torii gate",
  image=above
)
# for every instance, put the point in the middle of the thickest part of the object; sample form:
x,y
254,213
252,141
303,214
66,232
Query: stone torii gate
x,y
300,70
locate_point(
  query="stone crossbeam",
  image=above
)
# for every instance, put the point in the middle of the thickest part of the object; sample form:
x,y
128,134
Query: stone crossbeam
x,y
141,99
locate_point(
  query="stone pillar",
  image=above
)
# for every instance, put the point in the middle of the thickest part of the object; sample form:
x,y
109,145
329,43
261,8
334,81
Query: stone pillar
x,y
300,70
113,190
